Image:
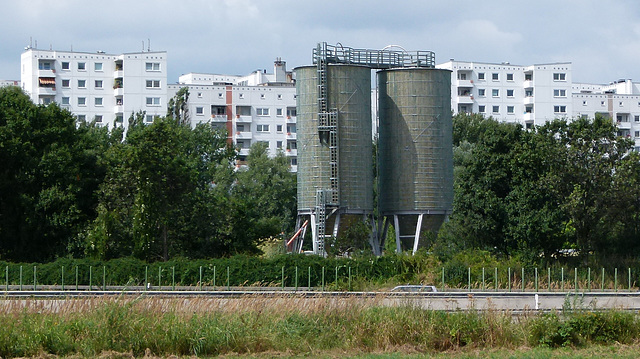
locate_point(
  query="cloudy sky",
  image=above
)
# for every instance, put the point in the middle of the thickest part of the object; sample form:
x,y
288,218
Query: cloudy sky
x,y
600,37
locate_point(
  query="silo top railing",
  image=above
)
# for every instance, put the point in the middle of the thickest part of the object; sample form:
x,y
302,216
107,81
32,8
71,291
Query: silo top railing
x,y
378,59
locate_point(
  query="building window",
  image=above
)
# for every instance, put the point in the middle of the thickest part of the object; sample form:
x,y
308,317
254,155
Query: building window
x,y
82,84
279,128
82,66
156,84
637,134
528,93
98,84
97,101
262,96
602,103
82,101
65,100
481,108
509,77
480,75
495,76
148,118
98,118
294,161
279,97
291,112
496,109
152,66
559,76
584,103
279,144
559,93
97,66
262,111
262,128
199,110
636,118
65,84
65,65
559,109
153,101
495,92
510,110
220,95
509,93
82,118
621,103
481,92
241,95
278,112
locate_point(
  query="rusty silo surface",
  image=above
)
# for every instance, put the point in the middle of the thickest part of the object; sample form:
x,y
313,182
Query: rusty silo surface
x,y
415,147
349,90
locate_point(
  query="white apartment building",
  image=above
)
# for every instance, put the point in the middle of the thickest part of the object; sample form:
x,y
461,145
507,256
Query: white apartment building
x,y
534,94
4,83
97,86
530,95
259,107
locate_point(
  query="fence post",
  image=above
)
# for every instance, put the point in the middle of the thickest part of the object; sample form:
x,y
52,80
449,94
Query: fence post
x,y
282,281
523,279
349,287
146,277
575,279
309,280
443,279
21,278
483,279
589,279
76,278
62,278
214,277
336,277
173,278
35,268
549,279
615,280
91,279
536,275
509,279
6,271
228,279
562,277
104,278
159,277
469,278
602,281
200,280
323,278
629,278
296,281
495,277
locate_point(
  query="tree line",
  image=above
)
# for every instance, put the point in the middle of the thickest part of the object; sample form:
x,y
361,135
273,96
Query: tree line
x,y
154,192
166,190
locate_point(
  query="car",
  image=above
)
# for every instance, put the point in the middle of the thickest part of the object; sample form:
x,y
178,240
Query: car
x,y
415,288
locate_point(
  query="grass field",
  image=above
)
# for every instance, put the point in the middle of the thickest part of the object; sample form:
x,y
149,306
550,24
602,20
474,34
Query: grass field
x,y
293,327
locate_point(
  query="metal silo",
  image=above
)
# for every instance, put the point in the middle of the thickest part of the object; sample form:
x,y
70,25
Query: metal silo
x,y
335,174
415,152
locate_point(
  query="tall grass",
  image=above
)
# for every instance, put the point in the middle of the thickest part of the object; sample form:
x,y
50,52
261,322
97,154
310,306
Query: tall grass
x,y
287,324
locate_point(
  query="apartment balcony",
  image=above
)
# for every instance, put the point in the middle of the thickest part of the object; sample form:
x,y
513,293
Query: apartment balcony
x,y
118,73
119,91
291,135
464,83
118,109
529,116
46,91
243,135
243,152
623,125
465,99
218,118
291,152
527,84
47,73
529,100
244,119
291,119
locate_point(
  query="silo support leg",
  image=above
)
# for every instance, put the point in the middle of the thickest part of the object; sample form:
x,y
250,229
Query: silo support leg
x,y
336,226
396,224
416,239
374,239
314,233
383,235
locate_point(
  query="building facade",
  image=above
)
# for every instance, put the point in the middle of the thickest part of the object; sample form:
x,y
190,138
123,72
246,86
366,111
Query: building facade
x,y
259,107
97,86
534,94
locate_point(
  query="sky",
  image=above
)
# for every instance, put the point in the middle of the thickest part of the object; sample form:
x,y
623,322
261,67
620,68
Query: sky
x,y
600,37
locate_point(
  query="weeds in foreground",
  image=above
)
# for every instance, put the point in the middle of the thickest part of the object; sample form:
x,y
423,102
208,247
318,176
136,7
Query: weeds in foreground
x,y
287,324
